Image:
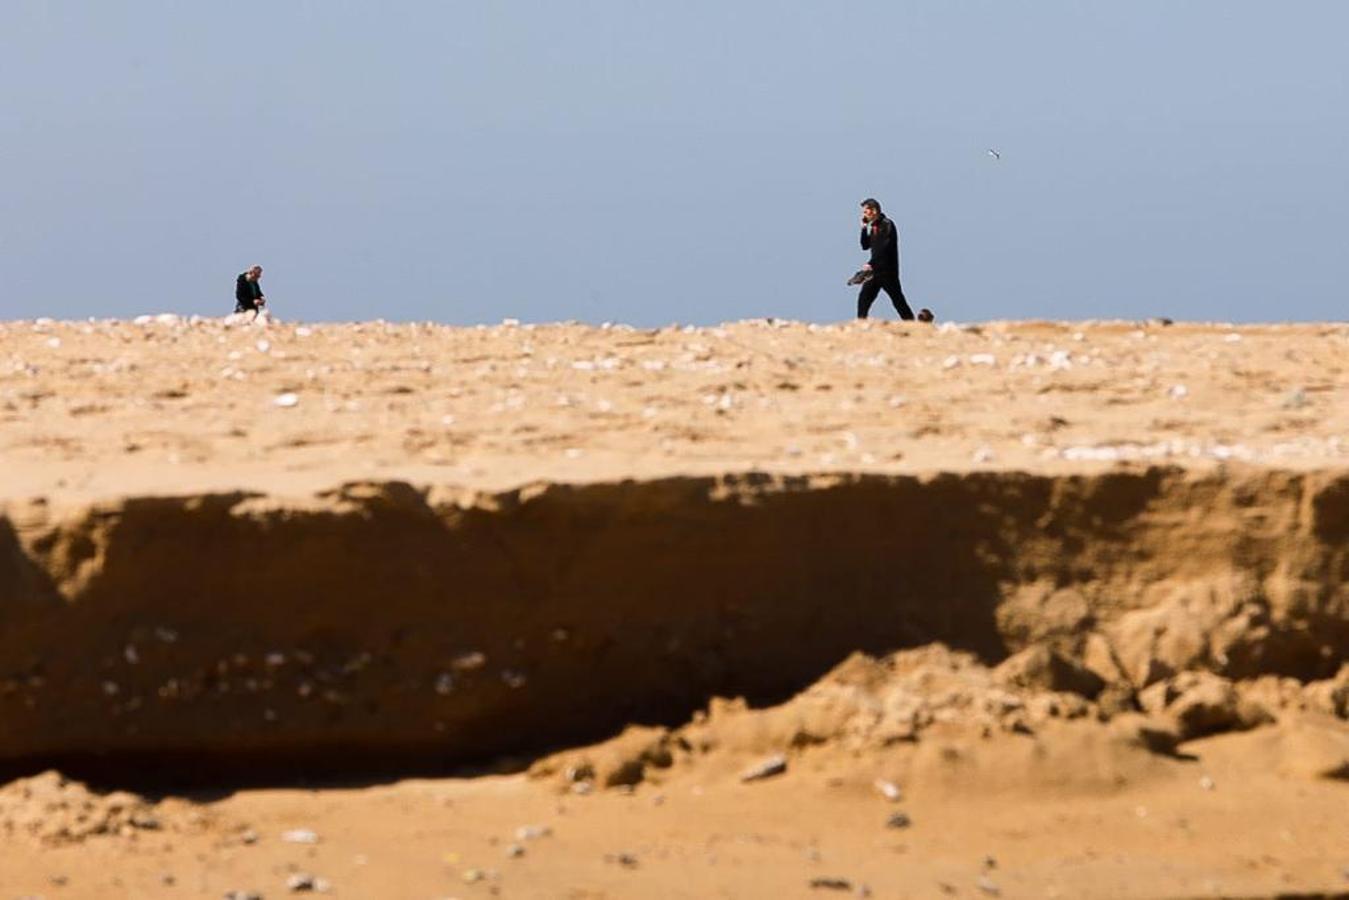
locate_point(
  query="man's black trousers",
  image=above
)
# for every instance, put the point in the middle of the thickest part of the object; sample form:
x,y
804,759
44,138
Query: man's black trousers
x,y
889,282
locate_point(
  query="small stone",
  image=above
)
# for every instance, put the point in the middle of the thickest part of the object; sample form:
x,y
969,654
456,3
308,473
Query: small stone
x,y
469,662
888,790
1206,783
145,821
626,860
300,836
988,886
302,883
898,820
532,832
242,895
473,876
515,851
774,765
829,883
286,400
249,836
582,788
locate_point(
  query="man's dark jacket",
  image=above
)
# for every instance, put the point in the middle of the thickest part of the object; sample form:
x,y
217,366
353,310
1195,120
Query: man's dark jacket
x,y
882,239
247,293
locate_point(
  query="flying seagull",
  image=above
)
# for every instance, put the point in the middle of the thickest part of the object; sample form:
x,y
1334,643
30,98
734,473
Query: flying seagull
x,y
993,153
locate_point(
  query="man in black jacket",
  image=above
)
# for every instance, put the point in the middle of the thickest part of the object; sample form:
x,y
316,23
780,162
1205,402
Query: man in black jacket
x,y
248,293
881,237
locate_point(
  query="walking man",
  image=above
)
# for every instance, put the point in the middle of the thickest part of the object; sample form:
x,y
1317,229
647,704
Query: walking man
x,y
881,237
248,293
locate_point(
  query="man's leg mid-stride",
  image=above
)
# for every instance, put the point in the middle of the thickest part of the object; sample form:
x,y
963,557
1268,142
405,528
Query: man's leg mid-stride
x,y
872,289
896,294
866,297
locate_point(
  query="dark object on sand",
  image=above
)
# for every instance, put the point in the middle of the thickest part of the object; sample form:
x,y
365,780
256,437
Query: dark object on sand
x,y
861,276
925,315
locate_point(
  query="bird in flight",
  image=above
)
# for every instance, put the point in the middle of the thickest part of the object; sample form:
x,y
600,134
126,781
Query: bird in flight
x,y
993,153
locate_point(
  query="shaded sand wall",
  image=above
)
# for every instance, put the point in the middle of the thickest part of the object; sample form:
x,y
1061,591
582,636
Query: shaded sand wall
x,y
385,623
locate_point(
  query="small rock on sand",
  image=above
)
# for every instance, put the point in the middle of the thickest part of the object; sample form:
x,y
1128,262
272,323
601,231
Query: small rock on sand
x,y
889,790
774,765
828,883
300,836
898,820
532,832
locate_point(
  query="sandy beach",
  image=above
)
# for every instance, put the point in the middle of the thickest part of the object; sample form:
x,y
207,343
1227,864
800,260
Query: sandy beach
x,y
771,609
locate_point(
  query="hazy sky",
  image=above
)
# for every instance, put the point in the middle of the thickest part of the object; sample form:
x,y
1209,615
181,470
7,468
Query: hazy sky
x,y
693,161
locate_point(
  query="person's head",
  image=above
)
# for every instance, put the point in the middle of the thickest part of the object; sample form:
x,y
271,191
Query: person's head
x,y
255,272
871,210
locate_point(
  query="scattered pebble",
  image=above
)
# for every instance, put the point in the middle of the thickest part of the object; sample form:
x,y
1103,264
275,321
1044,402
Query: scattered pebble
x,y
774,765
469,662
532,832
626,860
303,883
829,883
286,400
1206,783
988,886
300,836
898,820
515,851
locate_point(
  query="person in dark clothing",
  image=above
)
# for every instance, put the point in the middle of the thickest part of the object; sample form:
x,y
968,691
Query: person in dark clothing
x,y
248,293
881,237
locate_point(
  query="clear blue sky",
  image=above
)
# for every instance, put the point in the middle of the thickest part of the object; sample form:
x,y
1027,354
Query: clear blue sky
x,y
650,162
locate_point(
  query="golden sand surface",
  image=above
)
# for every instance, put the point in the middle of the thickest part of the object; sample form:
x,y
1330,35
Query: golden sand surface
x,y
770,609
